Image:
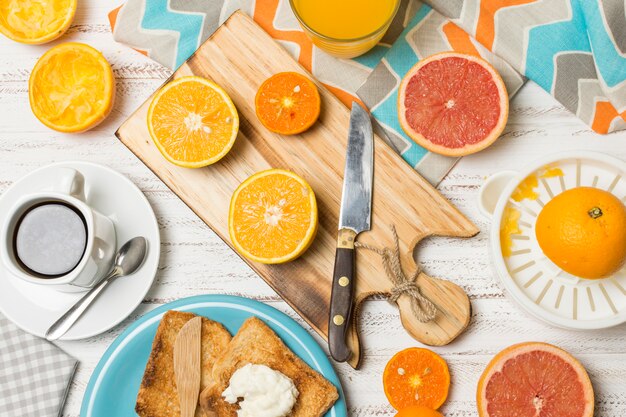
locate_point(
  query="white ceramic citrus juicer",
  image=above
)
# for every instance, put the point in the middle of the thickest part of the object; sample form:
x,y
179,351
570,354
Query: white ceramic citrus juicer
x,y
536,283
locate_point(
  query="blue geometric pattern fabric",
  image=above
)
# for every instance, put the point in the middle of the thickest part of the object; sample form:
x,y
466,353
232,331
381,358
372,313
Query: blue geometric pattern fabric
x,y
574,49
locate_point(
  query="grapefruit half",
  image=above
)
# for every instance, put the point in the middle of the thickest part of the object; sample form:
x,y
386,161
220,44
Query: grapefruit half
x,y
453,104
534,380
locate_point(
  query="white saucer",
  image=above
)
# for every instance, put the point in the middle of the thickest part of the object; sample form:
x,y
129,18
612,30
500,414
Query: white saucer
x,y
33,307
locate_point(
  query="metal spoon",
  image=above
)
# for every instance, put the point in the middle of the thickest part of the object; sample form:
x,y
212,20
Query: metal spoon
x,y
127,260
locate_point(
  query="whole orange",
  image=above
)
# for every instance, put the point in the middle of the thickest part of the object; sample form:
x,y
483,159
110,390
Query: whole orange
x,y
583,231
418,411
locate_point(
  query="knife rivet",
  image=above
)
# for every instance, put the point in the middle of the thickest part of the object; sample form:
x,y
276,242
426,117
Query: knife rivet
x,y
338,320
344,281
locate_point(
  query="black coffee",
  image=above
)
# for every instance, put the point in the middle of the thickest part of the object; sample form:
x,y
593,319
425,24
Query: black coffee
x,y
50,239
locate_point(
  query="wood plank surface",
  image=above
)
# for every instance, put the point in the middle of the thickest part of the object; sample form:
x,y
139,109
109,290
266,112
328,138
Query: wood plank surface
x,y
194,260
239,57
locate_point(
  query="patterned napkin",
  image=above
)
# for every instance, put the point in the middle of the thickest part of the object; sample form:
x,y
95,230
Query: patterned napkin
x,y
427,33
169,31
35,375
574,49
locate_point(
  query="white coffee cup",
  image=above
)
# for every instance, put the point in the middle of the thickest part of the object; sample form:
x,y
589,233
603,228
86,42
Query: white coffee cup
x,y
69,189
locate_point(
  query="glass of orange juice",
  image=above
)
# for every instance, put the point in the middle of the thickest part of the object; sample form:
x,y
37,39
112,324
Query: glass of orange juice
x,y
345,28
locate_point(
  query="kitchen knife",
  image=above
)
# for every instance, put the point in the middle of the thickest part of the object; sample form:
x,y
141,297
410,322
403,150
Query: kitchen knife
x,y
354,218
187,351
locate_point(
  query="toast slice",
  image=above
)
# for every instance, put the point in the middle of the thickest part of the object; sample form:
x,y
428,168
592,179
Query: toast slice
x,y
158,396
256,343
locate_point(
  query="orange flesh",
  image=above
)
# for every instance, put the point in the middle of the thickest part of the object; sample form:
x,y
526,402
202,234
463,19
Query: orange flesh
x,y
272,216
193,123
526,189
71,87
287,103
35,19
510,226
552,172
536,384
416,376
418,411
452,102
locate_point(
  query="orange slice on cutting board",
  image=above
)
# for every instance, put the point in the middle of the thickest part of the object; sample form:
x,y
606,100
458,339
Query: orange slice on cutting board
x,y
193,122
273,217
71,89
288,103
36,21
416,377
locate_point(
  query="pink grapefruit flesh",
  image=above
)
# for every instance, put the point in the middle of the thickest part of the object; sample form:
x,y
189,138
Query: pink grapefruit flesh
x,y
535,380
453,104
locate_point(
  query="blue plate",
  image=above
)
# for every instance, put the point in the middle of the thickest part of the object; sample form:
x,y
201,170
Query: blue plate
x,y
113,387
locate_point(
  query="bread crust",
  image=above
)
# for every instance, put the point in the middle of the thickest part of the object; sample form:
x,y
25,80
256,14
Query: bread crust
x,y
256,343
158,396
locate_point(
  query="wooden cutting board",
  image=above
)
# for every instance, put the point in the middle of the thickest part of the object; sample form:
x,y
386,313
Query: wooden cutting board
x,y
239,57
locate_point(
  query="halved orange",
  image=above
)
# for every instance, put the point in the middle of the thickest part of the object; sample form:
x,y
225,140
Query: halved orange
x,y
416,377
287,103
36,21
71,88
193,122
273,217
418,411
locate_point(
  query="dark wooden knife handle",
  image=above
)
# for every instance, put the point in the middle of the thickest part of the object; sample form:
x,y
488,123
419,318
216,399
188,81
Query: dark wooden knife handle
x,y
342,295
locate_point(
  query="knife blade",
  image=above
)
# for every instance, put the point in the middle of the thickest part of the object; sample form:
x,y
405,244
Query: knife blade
x,y
187,350
354,217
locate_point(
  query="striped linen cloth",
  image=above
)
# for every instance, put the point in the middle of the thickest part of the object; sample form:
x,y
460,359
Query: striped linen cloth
x,y
574,49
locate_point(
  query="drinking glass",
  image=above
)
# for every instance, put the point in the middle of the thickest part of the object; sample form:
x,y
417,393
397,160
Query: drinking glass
x,y
343,47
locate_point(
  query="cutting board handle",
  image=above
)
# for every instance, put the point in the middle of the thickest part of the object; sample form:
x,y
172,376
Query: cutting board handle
x,y
451,303
453,312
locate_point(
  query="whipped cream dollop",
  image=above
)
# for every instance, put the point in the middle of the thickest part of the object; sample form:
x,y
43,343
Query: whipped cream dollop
x,y
265,392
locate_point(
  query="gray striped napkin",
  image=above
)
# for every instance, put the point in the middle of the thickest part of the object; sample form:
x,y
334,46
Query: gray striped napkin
x,y
35,375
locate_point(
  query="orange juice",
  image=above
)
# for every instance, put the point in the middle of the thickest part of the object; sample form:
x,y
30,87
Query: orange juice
x,y
345,28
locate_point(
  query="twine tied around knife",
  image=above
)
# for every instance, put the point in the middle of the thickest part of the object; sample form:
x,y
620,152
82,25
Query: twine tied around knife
x,y
423,309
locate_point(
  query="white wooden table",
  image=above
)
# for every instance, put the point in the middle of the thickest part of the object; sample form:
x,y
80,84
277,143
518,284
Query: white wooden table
x,y
195,261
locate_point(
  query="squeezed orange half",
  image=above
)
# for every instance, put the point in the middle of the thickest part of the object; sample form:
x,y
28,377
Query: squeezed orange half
x,y
71,88
36,21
